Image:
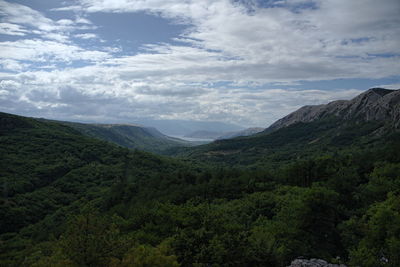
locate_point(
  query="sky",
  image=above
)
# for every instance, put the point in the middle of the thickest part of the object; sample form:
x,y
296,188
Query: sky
x,y
246,62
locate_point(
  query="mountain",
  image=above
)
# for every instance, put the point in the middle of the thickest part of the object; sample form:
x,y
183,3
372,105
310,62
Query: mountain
x,y
185,127
131,136
365,120
376,104
245,132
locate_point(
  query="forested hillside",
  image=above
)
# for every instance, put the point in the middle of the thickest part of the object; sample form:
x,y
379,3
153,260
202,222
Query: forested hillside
x,y
50,171
131,136
69,200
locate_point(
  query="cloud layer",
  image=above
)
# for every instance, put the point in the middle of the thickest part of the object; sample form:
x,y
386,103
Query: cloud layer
x,y
236,61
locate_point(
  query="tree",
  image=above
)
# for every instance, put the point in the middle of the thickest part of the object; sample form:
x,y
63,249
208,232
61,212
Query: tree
x,y
380,245
148,256
91,240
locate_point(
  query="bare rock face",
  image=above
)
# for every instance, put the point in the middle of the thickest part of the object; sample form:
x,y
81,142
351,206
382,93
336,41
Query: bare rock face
x,y
313,263
375,104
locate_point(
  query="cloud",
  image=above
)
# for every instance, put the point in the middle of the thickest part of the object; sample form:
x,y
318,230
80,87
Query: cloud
x,y
17,19
249,48
86,36
13,65
38,50
80,20
65,22
80,95
20,14
395,86
12,29
274,43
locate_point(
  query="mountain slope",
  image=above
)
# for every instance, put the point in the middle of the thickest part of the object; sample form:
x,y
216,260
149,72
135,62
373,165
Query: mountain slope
x,y
51,165
364,120
376,104
50,171
131,136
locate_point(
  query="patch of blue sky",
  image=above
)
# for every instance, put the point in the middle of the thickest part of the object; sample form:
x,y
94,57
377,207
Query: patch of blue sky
x,y
356,40
370,55
40,5
131,31
252,4
299,7
11,38
384,55
296,7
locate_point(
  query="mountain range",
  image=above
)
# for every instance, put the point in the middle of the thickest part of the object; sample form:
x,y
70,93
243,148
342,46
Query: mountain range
x,y
376,104
364,119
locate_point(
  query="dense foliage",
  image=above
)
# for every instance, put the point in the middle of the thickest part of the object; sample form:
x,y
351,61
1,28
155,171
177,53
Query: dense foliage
x,y
69,200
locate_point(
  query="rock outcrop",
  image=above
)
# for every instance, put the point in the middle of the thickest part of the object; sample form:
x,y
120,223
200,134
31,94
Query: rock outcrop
x,y
375,104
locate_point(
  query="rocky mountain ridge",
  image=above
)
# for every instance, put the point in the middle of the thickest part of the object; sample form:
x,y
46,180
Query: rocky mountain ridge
x,y
377,104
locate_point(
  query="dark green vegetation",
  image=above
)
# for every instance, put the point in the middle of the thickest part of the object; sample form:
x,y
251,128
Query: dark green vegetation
x,y
323,189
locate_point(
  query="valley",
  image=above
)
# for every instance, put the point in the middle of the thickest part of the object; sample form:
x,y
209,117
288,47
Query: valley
x,y
322,182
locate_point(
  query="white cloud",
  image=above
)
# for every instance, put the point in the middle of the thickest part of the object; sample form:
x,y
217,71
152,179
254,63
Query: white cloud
x,y
80,20
225,43
12,29
37,50
19,20
98,93
395,86
65,22
20,14
12,65
86,36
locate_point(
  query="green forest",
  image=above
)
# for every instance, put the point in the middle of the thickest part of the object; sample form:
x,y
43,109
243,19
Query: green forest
x,y
72,200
